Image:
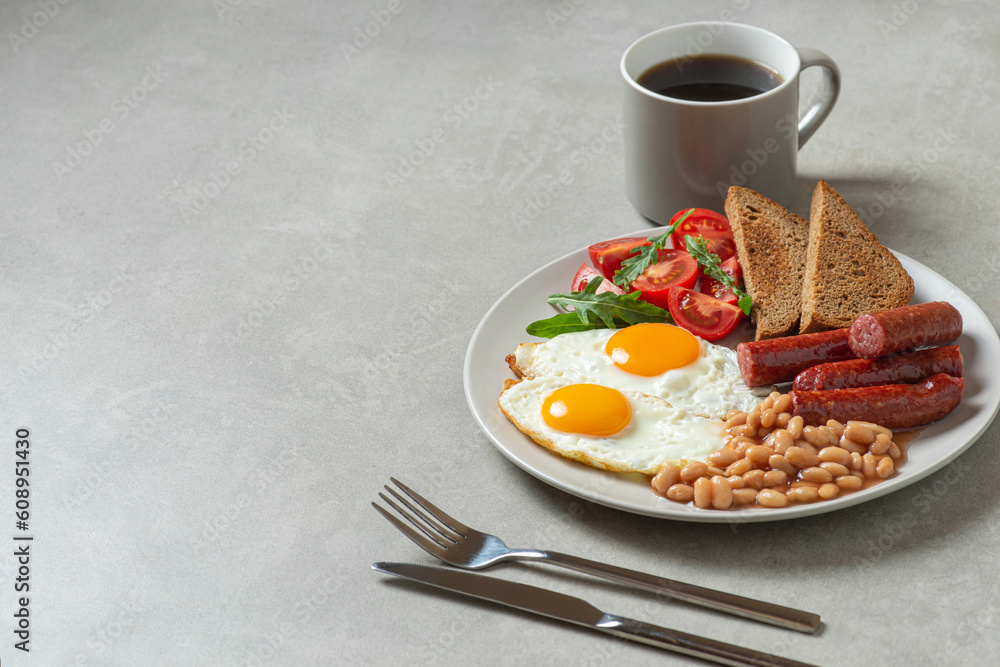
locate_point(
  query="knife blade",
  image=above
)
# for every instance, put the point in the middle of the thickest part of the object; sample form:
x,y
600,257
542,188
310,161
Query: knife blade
x,y
580,612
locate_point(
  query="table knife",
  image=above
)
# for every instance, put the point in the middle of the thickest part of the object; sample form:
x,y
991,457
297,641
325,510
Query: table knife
x,y
574,610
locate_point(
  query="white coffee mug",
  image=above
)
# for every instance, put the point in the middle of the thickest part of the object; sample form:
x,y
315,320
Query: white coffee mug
x,y
681,153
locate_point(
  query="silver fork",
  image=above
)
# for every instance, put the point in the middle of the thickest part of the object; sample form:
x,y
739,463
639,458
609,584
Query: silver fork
x,y
455,543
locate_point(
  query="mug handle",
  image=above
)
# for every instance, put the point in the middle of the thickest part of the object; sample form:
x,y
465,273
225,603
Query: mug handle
x,y
820,109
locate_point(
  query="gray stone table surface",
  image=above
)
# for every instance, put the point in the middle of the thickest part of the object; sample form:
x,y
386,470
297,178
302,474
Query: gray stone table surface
x,y
244,245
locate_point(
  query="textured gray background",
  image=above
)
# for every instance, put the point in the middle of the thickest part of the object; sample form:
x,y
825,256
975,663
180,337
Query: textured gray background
x,y
241,306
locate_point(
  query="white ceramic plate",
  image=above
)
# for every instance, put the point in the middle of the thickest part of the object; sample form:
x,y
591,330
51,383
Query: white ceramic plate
x,y
502,329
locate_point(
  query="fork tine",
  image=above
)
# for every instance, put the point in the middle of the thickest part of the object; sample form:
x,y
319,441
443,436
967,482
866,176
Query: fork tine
x,y
442,530
429,545
426,526
452,523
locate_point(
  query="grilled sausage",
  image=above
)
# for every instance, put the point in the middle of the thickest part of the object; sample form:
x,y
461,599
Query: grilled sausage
x,y
897,369
775,360
903,329
895,406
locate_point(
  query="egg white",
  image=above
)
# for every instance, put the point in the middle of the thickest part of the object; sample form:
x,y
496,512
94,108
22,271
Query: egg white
x,y
710,386
658,434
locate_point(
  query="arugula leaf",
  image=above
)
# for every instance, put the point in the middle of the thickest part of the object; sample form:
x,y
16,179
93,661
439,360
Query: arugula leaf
x,y
591,310
643,256
712,265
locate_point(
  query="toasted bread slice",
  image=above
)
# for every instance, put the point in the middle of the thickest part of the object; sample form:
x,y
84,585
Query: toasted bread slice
x,y
848,272
771,245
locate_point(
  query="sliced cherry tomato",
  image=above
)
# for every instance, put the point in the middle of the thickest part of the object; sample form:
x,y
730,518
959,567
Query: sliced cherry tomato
x,y
608,256
714,288
585,274
702,315
709,224
673,267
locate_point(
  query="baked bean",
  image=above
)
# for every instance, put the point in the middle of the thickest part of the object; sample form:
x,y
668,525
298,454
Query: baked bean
x,y
880,445
703,492
852,446
849,482
779,462
738,468
868,467
667,477
771,498
723,457
758,455
802,444
834,454
884,468
754,479
738,419
795,426
800,457
772,458
722,493
693,471
781,440
876,428
835,469
740,443
802,494
829,490
774,478
816,474
859,432
682,493
749,430
818,436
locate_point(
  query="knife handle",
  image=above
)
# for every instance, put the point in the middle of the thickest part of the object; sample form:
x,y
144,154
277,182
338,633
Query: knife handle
x,y
688,644
766,612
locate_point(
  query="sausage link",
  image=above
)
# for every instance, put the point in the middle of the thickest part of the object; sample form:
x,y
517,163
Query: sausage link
x,y
895,330
775,360
897,369
895,406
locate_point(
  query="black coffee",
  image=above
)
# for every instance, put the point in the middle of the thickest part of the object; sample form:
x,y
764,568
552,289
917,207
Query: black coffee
x,y
709,78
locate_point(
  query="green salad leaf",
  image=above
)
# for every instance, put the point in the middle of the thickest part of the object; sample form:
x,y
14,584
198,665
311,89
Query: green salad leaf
x,y
643,256
713,269
591,310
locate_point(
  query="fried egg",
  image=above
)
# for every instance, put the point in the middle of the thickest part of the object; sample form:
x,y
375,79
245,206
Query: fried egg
x,y
660,360
622,431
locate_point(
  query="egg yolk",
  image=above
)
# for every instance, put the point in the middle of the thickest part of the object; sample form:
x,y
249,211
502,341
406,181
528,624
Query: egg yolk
x,y
652,349
587,409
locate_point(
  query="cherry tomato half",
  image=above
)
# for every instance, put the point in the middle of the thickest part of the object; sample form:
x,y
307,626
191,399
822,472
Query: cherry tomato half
x,y
702,315
672,268
709,224
607,256
714,288
585,274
